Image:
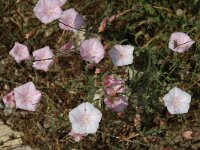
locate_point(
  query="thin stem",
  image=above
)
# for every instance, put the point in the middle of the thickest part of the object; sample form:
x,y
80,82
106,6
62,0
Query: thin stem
x,y
43,59
61,53
182,44
70,26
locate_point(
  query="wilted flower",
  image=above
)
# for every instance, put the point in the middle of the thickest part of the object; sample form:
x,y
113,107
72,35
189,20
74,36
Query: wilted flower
x,y
9,100
76,136
187,135
27,97
61,2
92,50
67,47
112,18
103,24
85,118
177,101
43,58
47,10
19,52
113,85
117,104
121,55
71,20
180,42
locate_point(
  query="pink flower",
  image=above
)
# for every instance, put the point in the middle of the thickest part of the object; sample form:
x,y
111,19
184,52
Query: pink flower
x,y
43,58
121,55
71,20
47,10
61,2
92,50
117,104
19,52
85,118
27,97
177,101
113,85
180,42
76,136
9,100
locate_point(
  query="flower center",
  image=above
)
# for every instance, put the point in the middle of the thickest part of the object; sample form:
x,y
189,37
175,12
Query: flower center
x,y
50,12
176,102
70,22
19,52
86,119
121,55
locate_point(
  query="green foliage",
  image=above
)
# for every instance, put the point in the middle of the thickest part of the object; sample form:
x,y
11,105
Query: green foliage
x,y
155,70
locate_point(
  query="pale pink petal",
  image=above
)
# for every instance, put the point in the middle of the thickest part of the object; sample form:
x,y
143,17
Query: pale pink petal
x,y
79,127
180,42
61,2
177,101
43,58
92,127
172,109
71,20
47,10
92,50
19,52
184,108
121,55
75,115
85,118
97,115
26,96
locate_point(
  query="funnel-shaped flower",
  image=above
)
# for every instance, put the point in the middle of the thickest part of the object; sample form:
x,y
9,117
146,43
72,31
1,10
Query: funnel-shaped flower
x,y
27,97
9,100
177,101
47,10
180,42
71,20
85,118
121,55
19,52
43,58
92,50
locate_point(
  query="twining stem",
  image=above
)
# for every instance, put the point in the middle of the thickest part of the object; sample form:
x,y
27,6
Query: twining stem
x,y
52,57
182,44
70,26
